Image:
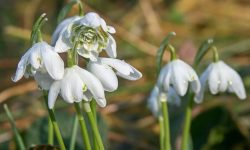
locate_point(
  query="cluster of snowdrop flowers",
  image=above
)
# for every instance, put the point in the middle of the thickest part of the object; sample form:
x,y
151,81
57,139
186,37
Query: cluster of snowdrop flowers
x,y
86,35
174,79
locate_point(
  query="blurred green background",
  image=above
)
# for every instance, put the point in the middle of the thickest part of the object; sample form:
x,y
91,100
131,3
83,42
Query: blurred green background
x,y
222,122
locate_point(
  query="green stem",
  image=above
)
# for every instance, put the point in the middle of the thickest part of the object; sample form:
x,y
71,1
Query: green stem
x,y
83,126
50,125
74,134
164,107
93,125
13,126
93,108
172,52
215,54
50,132
187,123
55,125
80,6
161,132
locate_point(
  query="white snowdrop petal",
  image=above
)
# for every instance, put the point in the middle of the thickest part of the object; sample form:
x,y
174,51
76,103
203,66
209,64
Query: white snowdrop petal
x,y
203,81
235,83
93,85
224,76
103,25
77,89
134,75
166,79
111,29
105,74
21,67
63,43
214,79
118,65
179,77
61,26
153,101
67,84
35,56
53,63
44,80
53,93
111,47
93,56
91,19
161,78
172,97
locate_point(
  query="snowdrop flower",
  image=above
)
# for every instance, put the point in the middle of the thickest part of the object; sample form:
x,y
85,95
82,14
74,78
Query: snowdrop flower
x,y
220,78
88,34
153,101
102,69
41,58
178,74
77,85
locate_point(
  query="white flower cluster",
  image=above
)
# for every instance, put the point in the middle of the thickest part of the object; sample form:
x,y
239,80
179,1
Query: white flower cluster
x,y
88,35
175,77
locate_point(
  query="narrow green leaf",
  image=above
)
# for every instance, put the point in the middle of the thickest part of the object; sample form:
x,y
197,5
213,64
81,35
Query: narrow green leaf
x,y
65,10
205,46
161,51
13,126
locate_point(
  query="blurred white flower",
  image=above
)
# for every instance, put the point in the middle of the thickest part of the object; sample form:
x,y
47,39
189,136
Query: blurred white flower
x,y
40,57
102,69
90,34
77,85
178,74
154,99
220,78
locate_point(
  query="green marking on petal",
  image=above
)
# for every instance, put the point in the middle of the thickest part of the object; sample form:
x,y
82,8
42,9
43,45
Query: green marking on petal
x,y
84,88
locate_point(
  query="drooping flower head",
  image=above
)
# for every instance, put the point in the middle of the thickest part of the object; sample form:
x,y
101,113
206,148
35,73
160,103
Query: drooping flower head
x,y
102,69
88,34
221,78
40,60
77,85
153,100
179,75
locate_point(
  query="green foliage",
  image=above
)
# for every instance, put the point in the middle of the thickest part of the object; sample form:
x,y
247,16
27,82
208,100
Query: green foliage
x,y
37,133
216,129
65,10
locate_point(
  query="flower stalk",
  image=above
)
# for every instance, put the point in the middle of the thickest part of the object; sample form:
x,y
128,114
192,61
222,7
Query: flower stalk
x,y
187,121
55,125
166,130
74,134
93,124
83,126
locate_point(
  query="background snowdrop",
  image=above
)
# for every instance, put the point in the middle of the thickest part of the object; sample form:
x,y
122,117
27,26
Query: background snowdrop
x,y
221,78
154,98
178,74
